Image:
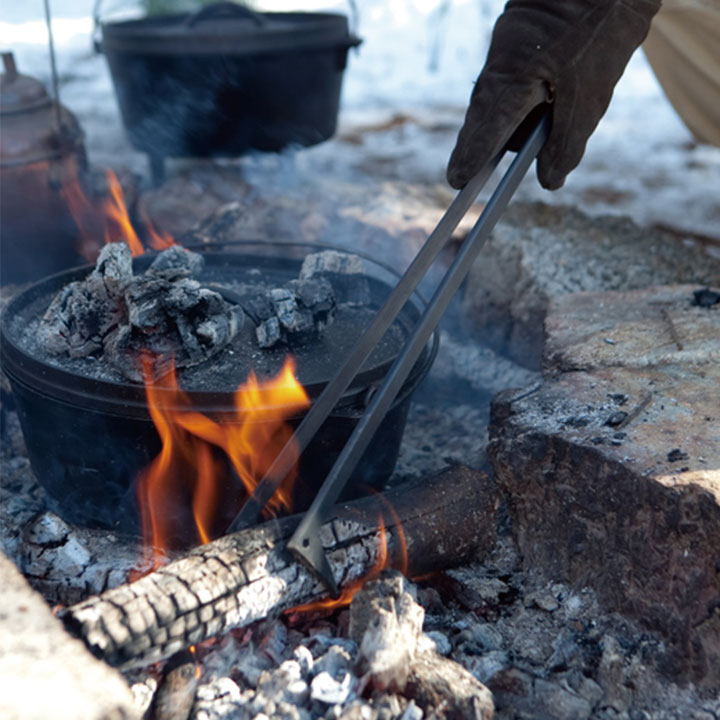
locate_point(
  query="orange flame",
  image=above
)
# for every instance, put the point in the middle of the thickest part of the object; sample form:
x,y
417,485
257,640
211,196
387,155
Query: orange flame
x,y
158,240
190,474
259,406
120,227
108,219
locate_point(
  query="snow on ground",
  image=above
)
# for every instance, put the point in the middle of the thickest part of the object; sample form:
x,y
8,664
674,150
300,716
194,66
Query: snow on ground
x,y
405,93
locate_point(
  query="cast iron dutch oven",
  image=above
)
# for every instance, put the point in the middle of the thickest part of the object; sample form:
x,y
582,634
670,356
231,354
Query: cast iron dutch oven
x,y
88,436
226,80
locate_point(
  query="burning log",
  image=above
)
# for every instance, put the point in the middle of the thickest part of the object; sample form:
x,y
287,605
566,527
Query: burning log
x,y
244,577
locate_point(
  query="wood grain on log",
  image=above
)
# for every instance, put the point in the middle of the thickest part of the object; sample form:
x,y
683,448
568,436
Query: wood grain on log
x,y
240,578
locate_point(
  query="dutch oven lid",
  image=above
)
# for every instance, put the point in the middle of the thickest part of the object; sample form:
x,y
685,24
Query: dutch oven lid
x,y
85,388
228,28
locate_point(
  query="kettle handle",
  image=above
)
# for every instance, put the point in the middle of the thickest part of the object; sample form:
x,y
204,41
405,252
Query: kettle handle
x,y
96,34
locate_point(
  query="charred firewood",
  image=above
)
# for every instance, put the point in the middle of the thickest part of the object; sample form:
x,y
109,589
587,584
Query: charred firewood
x,y
296,312
331,261
344,271
448,688
175,695
163,313
386,621
247,576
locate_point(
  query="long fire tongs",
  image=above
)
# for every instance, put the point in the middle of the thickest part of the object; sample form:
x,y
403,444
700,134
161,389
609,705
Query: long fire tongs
x,y
305,543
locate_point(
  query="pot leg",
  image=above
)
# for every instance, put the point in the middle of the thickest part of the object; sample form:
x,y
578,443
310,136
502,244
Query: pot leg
x,y
157,169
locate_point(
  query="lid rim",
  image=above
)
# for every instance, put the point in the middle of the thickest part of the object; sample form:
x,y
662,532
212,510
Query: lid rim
x,y
282,32
105,395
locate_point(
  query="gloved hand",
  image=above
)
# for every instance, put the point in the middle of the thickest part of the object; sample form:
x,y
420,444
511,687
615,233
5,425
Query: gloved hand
x,y
566,52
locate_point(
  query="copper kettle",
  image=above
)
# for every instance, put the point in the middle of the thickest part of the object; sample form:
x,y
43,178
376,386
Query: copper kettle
x,y
41,150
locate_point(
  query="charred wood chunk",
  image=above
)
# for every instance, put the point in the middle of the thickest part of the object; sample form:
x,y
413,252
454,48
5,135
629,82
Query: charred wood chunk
x,y
179,320
331,261
386,622
316,296
114,268
268,333
177,262
446,690
343,271
257,307
293,319
162,313
292,314
83,312
175,695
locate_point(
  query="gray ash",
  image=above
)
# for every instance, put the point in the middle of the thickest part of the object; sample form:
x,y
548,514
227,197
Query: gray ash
x,y
163,314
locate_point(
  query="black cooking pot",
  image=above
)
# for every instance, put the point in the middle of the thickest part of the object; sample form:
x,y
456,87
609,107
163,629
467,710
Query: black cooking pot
x,y
226,80
88,435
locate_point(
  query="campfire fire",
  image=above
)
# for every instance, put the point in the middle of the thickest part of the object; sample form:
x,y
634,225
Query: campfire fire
x,y
207,466
188,480
190,465
109,219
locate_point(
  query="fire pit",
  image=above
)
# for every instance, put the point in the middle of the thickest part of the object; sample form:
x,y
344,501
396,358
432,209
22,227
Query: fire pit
x,y
89,431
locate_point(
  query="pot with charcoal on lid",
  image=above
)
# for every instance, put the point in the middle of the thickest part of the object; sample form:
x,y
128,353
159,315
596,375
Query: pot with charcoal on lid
x,y
226,80
87,422
41,151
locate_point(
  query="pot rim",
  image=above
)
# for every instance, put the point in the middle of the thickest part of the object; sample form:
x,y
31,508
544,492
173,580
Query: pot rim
x,y
128,399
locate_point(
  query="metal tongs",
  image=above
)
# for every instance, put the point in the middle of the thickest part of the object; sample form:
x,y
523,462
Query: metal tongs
x,y
305,543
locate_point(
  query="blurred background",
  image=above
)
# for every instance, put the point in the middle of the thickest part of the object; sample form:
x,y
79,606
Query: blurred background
x,y
405,92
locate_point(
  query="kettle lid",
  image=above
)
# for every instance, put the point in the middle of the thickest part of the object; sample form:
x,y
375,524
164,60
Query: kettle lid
x,y
20,93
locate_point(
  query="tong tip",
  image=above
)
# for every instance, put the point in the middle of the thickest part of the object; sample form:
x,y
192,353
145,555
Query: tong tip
x,y
307,549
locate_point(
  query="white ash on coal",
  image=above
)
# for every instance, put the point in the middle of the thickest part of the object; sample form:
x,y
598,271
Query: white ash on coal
x,y
163,314
345,271
331,261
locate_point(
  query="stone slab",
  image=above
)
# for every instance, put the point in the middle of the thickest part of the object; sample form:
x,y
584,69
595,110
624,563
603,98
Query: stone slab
x,y
639,328
538,253
611,468
44,673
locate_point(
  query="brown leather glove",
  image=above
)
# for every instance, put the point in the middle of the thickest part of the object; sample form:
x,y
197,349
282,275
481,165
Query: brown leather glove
x,y
567,52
